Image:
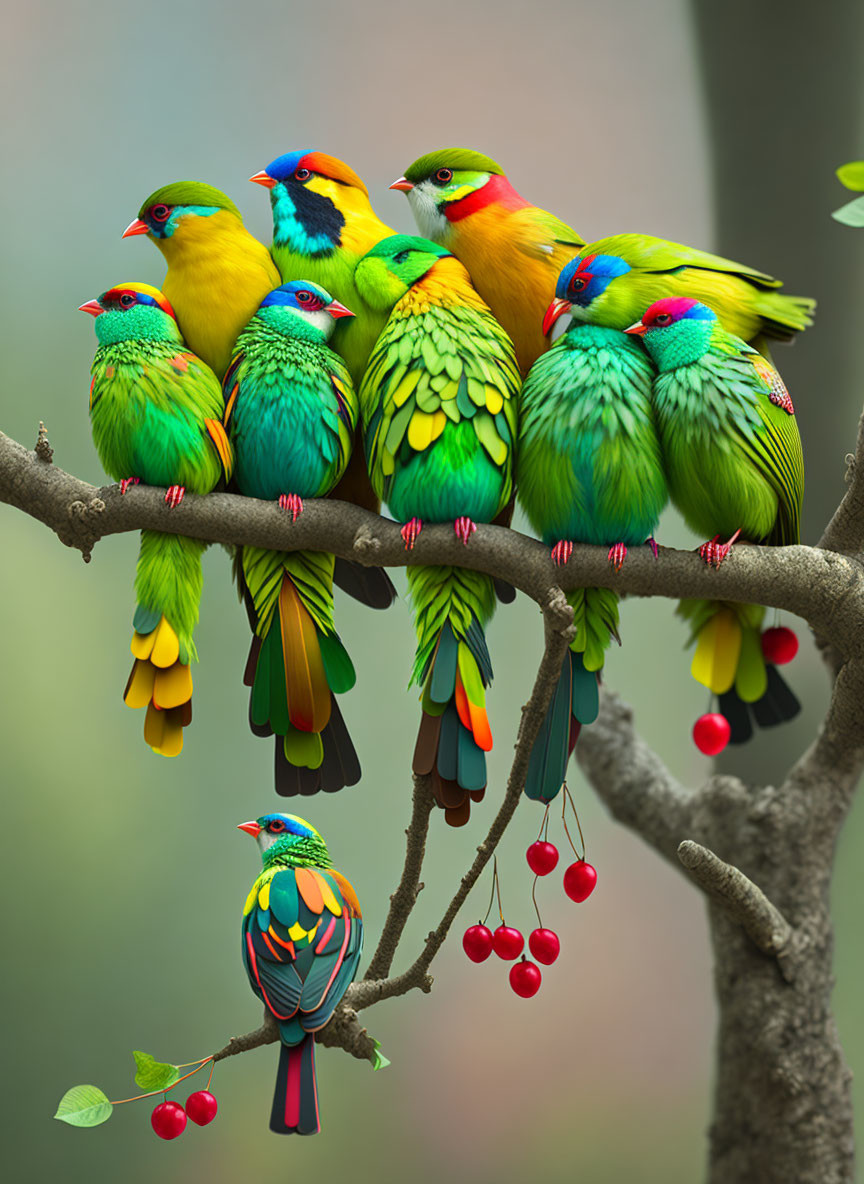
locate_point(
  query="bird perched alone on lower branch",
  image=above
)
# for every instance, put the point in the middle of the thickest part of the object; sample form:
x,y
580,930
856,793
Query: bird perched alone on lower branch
x,y
156,411
302,941
735,468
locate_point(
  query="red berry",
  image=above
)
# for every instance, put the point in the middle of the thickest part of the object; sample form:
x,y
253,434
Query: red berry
x,y
711,733
779,645
525,979
507,943
201,1107
580,880
168,1120
544,945
477,943
542,858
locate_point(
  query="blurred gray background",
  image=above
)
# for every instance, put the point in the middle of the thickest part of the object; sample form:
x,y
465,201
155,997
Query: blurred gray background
x,y
718,125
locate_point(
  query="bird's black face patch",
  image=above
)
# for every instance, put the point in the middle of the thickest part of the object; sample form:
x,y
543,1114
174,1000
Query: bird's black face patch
x,y
306,221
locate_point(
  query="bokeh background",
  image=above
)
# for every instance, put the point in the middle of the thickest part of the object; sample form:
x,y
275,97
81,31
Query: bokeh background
x,y
122,873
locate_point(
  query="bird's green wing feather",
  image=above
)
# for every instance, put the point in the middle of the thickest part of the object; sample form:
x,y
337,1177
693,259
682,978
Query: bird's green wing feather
x,y
658,254
537,233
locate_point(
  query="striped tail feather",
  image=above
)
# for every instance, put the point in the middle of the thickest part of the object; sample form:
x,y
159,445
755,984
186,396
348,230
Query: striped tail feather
x,y
295,1098
783,316
454,669
168,586
728,660
295,667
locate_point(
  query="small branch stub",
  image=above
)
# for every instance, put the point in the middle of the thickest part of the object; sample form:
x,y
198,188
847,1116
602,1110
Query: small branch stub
x,y
43,449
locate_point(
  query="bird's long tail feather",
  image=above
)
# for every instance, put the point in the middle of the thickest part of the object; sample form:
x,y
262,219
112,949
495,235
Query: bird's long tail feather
x,y
295,1098
296,665
168,587
783,316
453,667
576,700
729,661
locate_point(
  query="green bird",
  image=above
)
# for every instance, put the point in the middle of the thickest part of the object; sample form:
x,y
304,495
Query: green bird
x,y
155,412
439,411
735,468
291,411
589,470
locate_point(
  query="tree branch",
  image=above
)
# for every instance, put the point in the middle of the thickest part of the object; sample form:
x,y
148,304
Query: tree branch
x,y
747,904
845,532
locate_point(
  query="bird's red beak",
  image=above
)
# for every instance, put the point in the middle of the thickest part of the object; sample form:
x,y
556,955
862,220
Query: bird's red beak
x,y
638,330
264,179
92,306
403,185
136,227
338,310
251,828
555,310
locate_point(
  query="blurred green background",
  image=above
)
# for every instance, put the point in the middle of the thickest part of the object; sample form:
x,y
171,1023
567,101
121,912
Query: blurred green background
x,y
719,125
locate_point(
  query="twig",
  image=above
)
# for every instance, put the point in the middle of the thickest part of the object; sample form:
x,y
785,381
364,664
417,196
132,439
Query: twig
x,y
845,532
747,904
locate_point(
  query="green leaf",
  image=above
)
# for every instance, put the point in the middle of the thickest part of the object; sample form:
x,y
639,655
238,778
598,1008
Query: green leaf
x,y
852,175
84,1105
152,1074
851,214
379,1061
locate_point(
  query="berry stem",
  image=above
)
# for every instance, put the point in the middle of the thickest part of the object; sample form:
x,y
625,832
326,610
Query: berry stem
x,y
497,884
568,797
198,1065
534,898
494,884
543,832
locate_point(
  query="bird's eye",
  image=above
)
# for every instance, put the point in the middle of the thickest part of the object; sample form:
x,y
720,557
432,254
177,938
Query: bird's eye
x,y
160,213
276,827
401,256
309,300
578,283
127,300
662,318
443,176
302,174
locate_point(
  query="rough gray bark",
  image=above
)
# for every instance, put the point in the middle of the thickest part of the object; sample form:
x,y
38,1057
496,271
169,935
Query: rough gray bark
x,y
763,855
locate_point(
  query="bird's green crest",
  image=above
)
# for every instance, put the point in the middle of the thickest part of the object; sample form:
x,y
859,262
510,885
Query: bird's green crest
x,y
385,273
190,193
452,158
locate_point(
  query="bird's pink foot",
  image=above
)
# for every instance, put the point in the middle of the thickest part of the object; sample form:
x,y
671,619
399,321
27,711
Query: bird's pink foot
x,y
293,503
652,543
464,528
128,482
175,495
561,552
617,555
714,553
410,531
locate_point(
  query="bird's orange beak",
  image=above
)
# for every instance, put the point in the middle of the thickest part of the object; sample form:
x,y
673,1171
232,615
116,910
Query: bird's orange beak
x,y
338,310
638,330
136,227
93,307
251,828
555,310
264,179
403,185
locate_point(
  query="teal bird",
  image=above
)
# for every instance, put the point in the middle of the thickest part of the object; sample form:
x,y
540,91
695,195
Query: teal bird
x,y
735,467
589,470
156,412
302,942
439,410
291,411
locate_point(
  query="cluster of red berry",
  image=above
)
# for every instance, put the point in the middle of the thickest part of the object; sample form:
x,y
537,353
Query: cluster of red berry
x,y
711,731
479,941
169,1118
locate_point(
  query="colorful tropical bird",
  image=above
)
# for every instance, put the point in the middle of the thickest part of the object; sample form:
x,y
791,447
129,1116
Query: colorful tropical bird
x,y
218,273
589,470
733,459
513,251
439,409
614,280
155,411
291,411
302,941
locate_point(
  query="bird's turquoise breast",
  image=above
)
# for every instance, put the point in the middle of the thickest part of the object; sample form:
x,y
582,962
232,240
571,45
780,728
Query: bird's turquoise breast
x,y
589,466
453,477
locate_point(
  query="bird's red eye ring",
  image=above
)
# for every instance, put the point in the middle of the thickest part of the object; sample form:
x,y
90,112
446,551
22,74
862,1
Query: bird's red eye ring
x,y
160,213
443,176
302,174
662,318
309,300
578,283
276,827
127,300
